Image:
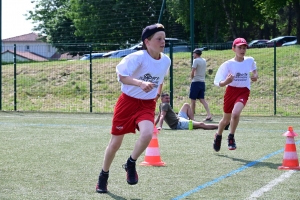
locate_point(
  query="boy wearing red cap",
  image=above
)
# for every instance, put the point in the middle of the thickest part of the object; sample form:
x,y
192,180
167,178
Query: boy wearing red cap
x,y
141,75
235,74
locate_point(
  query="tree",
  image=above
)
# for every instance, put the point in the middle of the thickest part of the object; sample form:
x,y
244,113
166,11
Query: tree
x,y
120,22
218,21
296,4
53,23
113,21
271,10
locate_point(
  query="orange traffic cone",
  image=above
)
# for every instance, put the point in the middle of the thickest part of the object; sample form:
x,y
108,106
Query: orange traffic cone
x,y
152,155
290,157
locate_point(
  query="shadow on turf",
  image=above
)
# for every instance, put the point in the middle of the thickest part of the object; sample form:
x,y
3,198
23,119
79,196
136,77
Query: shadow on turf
x,y
118,197
20,113
259,164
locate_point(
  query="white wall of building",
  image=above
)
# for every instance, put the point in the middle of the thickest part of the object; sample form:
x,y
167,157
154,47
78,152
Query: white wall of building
x,y
9,57
40,48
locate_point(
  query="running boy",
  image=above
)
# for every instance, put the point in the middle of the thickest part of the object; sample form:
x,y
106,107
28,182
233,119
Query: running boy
x,y
235,74
141,75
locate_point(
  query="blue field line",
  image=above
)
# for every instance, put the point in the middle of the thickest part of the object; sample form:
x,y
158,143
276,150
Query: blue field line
x,y
200,187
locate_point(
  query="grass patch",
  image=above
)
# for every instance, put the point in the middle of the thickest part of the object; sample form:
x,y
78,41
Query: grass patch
x,y
59,156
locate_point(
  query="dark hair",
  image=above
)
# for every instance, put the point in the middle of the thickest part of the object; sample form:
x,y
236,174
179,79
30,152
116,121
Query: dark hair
x,y
198,51
149,31
144,47
164,95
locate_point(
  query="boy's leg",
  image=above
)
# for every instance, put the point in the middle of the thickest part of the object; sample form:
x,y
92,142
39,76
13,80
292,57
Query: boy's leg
x,y
224,122
235,118
146,128
113,146
218,136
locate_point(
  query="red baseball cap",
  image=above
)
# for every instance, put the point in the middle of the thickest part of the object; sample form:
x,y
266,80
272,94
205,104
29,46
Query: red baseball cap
x,y
239,42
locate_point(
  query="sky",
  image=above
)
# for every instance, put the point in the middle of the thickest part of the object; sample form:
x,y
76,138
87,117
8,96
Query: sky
x,y
13,21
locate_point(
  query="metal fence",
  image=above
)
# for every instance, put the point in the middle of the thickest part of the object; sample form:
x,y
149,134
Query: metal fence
x,y
67,84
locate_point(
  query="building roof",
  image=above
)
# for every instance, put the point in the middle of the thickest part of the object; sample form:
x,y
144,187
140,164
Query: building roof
x,y
28,55
65,56
30,37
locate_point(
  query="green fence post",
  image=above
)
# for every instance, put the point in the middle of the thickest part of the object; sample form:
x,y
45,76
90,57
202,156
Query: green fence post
x,y
15,77
274,77
0,54
161,10
171,74
192,29
91,79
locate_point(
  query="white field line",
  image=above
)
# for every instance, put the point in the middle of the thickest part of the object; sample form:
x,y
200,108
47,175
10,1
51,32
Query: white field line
x,y
45,116
50,117
258,193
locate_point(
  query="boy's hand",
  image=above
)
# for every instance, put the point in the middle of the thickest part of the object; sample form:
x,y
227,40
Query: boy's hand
x,y
147,86
229,79
254,78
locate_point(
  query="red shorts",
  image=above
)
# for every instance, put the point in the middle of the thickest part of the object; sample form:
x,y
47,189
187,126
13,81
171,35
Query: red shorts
x,y
234,95
129,112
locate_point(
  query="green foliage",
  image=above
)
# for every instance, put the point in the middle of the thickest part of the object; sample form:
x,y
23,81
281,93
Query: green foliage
x,y
116,21
55,26
120,22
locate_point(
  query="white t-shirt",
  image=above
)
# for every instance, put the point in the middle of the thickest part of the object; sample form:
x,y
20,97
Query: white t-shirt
x,y
142,66
240,70
200,65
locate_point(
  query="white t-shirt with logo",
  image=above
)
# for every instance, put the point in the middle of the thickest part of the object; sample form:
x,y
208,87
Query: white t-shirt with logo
x,y
240,70
142,66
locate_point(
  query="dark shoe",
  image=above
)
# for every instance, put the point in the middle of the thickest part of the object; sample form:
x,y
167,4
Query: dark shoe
x,y
227,127
217,142
132,176
101,186
208,119
231,142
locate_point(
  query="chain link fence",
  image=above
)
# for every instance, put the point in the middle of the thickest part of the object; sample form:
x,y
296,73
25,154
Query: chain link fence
x,y
64,83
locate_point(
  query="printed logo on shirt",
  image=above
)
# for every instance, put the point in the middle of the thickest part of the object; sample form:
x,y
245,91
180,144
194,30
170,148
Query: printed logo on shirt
x,y
119,127
241,77
149,78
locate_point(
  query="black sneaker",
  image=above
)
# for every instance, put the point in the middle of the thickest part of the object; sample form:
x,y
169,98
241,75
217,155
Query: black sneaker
x,y
231,142
132,176
217,142
101,186
227,127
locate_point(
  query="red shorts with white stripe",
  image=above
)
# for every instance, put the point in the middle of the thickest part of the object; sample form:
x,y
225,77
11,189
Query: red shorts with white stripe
x,y
129,112
234,95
